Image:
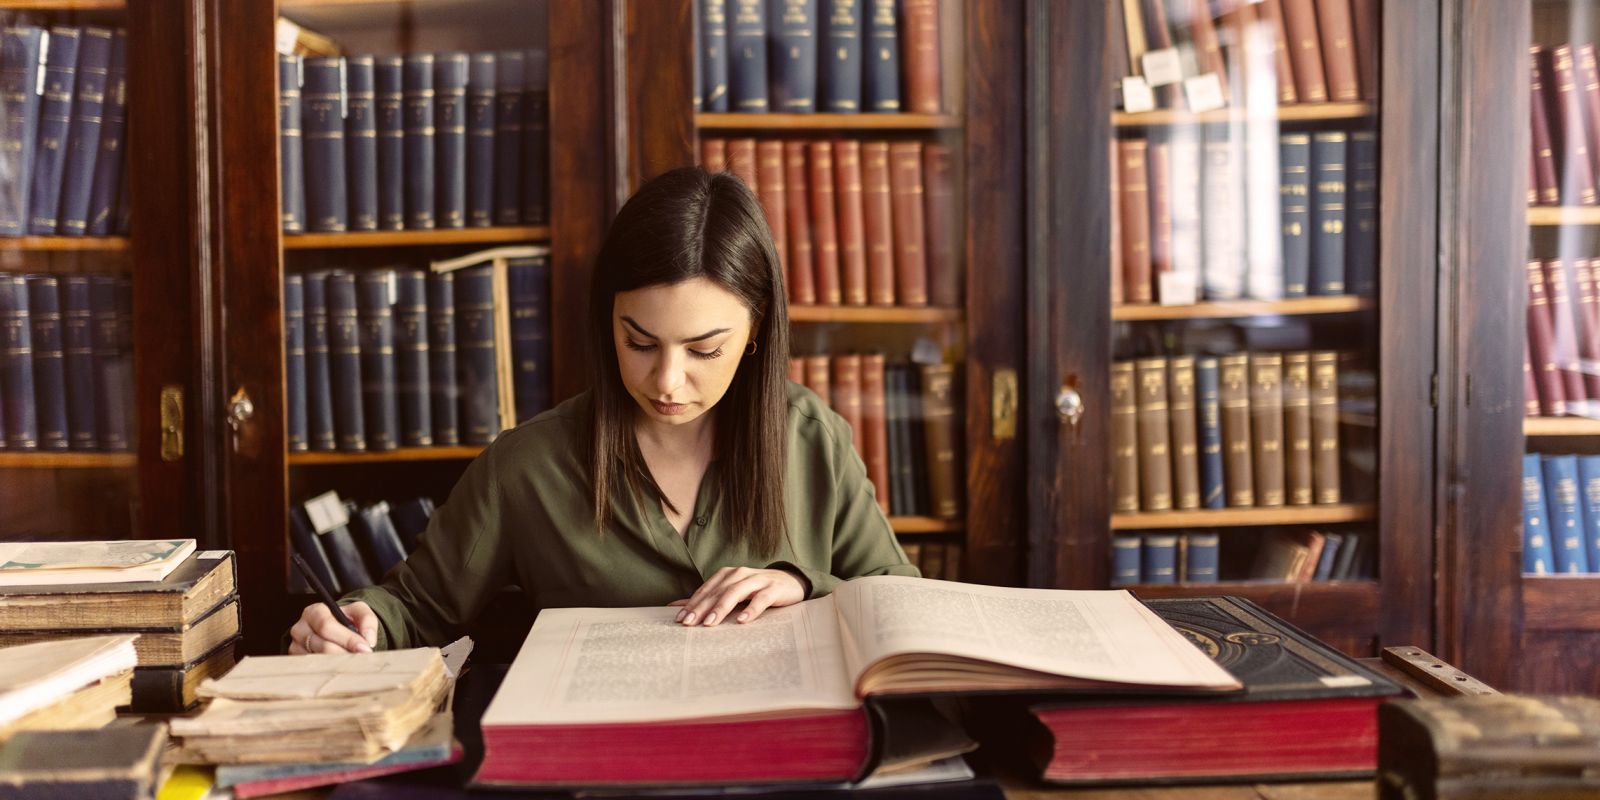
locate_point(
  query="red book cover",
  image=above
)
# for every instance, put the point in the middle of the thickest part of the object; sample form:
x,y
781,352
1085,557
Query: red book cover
x,y
944,226
824,232
1207,49
1588,76
906,189
1365,15
875,427
742,162
797,369
714,154
1560,288
1576,171
877,218
1133,170
1272,15
818,377
1300,19
802,286
769,173
852,233
1530,389
1116,228
847,398
919,54
1338,50
1541,112
1587,271
1541,341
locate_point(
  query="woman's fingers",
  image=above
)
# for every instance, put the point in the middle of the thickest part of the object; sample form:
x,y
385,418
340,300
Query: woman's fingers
x,y
701,601
331,637
732,595
759,602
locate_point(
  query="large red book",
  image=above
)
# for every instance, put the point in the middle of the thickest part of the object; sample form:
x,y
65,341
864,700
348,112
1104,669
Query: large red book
x,y
1367,24
944,225
910,255
1271,15
919,54
714,154
1137,286
852,230
1116,229
877,217
1541,112
774,195
802,284
1338,50
1559,287
819,377
1541,341
847,398
1207,49
1575,168
824,231
1588,79
742,161
1588,310
1310,83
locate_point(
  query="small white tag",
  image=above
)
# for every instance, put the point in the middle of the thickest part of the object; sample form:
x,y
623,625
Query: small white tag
x,y
212,554
1136,95
44,56
393,282
287,33
1163,67
1204,92
1177,288
1342,681
327,512
926,351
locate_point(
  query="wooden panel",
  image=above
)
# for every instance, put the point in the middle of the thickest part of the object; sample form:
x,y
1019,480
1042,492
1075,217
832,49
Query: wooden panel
x,y
59,243
1562,603
659,128
1241,517
1225,309
512,234
1557,662
826,122
67,460
1304,112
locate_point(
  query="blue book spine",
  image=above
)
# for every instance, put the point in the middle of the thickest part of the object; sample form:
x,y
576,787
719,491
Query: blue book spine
x,y
83,140
305,542
1331,542
508,76
841,62
375,535
1589,479
22,419
108,165
475,355
77,334
535,137
747,56
19,83
327,203
1328,213
713,55
294,361
319,394
445,397
411,351
112,401
1124,560
1160,558
124,304
344,361
1562,501
1200,558
417,85
528,280
450,140
361,143
480,140
1208,401
49,365
793,59
1294,159
1361,246
1537,555
55,125
379,372
880,84
390,97
291,146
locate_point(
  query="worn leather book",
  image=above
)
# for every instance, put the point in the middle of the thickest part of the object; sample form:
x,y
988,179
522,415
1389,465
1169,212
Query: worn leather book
x,y
173,689
121,762
1368,29
1124,438
941,433
1305,50
1490,745
1237,464
189,592
1338,50
1118,293
1559,289
1571,146
851,225
797,204
877,216
713,154
1297,427
1271,13
1208,51
390,114
910,236
1159,170
380,390
1132,157
1325,425
1155,457
1266,423
1541,110
1541,343
819,377
824,224
1209,412
1185,438
944,226
846,400
919,55
742,162
874,426
773,192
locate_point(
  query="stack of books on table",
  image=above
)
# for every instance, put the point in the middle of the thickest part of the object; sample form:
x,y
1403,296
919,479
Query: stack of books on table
x,y
179,606
66,685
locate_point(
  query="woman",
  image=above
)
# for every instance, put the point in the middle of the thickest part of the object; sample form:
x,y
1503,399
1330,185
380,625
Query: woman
x,y
692,473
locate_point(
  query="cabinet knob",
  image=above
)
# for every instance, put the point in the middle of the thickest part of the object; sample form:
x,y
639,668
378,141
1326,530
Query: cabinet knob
x,y
1069,405
241,410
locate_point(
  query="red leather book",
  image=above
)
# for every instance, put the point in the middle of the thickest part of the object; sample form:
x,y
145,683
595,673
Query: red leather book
x,y
1541,341
941,433
1207,49
1541,111
852,231
1367,24
824,231
1560,287
919,54
944,226
1132,168
774,195
877,217
906,189
1530,388
1116,228
1300,19
875,426
742,162
802,286
1588,308
819,377
714,154
1338,50
1575,168
1588,79
1271,15
1160,191
797,369
847,398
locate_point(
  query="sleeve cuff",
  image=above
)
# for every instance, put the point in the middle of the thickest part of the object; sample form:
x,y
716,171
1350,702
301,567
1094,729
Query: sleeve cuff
x,y
815,582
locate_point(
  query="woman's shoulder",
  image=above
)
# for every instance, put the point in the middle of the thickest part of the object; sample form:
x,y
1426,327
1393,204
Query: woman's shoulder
x,y
554,433
812,421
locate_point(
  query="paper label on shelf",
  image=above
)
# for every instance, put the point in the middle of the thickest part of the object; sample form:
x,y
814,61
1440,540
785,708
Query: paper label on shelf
x,y
1177,288
1136,95
1162,67
1204,92
327,512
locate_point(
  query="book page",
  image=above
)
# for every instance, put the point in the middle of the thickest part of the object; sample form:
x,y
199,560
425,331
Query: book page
x,y
597,665
1093,635
91,555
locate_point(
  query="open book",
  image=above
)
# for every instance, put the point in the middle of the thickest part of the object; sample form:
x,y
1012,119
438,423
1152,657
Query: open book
x,y
609,696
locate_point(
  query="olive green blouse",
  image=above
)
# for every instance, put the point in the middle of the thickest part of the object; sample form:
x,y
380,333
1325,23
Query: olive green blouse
x,y
522,515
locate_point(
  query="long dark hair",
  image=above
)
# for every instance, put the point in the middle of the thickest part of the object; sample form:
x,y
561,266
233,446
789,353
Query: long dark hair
x,y
686,224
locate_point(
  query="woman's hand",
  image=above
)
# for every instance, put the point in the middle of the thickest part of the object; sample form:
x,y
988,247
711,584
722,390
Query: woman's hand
x,y
318,632
760,588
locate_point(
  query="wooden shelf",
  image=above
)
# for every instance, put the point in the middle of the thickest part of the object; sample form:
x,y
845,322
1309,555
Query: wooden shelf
x,y
1560,426
880,314
462,452
1563,215
1241,517
509,234
1227,309
1561,602
925,525
63,5
826,122
65,243
1305,112
53,460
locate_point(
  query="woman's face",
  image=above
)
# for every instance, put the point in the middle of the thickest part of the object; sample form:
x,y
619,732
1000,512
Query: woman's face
x,y
679,346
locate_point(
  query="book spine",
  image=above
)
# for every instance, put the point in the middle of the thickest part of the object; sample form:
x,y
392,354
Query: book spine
x,y
793,56
291,146
535,137
747,57
1187,236
510,67
1201,558
1538,556
1118,293
940,433
944,226
1530,387
904,455
344,346
1264,266
450,140
1589,485
1365,16
294,362
881,79
111,391
361,142
1325,426
741,156
412,356
1328,213
418,140
1541,343
1294,189
1210,433
847,398
1185,436
77,334
1272,14
1559,288
391,126
1124,438
1361,246
1158,191
824,224
445,396
108,164
481,77
1587,76
1234,399
49,367
874,426
713,55
1208,50
319,390
1155,451
55,125
802,284
773,192
379,391
1125,557
1134,199
1223,274
529,281
1544,176
910,255
476,355
714,154
326,195
1588,324
852,230
1566,519
877,215
1159,559
83,140
841,63
920,22
1297,427
1575,168
21,417
818,377
1338,50
19,96
1266,412
1300,19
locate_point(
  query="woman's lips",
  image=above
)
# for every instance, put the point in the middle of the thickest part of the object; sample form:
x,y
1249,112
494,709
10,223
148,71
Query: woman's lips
x,y
669,409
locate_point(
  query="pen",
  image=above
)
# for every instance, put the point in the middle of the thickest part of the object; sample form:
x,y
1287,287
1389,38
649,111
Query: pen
x,y
322,593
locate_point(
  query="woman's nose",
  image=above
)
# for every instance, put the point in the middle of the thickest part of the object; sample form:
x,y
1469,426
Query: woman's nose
x,y
669,373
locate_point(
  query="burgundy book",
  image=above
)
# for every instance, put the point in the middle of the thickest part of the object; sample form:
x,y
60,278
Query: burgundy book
x,y
714,154
944,226
1207,49
797,369
847,398
1541,343
1541,112
1338,50
819,377
1116,228
742,162
910,257
1587,271
1160,191
1530,389
774,195
802,286
875,426
1300,19
919,54
1364,13
1271,14
877,217
852,230
1588,77
1132,169
824,231
1574,167
1559,288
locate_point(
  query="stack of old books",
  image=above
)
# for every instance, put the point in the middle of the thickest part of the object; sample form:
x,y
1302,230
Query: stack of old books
x,y
67,685
180,606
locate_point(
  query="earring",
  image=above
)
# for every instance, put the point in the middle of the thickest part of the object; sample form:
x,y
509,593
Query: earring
x,y
751,350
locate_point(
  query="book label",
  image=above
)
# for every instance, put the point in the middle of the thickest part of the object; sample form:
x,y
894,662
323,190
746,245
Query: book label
x,y
1178,288
1204,92
327,512
1136,95
1163,67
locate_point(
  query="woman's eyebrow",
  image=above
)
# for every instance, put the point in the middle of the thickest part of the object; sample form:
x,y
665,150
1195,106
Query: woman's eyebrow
x,y
692,339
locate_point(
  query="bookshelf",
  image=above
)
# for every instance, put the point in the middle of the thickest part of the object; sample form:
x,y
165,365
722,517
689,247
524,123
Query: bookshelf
x,y
1555,216
1307,112
515,234
1331,514
874,314
57,244
1235,309
67,460
825,122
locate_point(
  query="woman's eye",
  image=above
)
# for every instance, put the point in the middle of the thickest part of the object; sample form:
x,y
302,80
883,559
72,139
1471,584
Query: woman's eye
x,y
717,353
633,345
